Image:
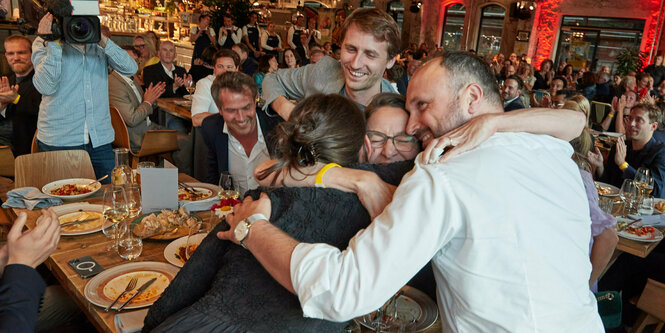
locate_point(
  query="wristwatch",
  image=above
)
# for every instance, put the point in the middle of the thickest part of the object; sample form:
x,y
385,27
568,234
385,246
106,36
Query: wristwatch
x,y
241,231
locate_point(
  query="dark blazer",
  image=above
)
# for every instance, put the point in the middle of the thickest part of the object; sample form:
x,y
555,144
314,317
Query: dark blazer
x,y
155,74
24,114
514,105
21,289
249,66
652,157
218,142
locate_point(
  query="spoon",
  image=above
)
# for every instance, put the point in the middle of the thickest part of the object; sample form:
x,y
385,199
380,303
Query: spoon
x,y
98,180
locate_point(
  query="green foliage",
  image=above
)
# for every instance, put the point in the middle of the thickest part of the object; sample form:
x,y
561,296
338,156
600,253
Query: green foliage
x,y
630,60
238,9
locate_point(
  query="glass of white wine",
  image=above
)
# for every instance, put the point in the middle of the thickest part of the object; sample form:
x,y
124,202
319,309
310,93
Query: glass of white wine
x,y
191,87
115,211
644,182
229,188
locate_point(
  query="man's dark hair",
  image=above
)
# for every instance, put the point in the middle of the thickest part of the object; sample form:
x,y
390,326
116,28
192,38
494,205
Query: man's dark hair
x,y
237,82
520,83
419,55
385,99
394,73
464,68
226,53
334,47
562,79
654,113
377,23
243,47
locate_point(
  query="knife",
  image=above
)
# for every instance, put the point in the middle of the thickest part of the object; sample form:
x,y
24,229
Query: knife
x,y
140,290
78,222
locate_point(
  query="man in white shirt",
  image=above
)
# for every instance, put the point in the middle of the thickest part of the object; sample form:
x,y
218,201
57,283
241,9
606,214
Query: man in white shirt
x,y
235,136
509,252
203,105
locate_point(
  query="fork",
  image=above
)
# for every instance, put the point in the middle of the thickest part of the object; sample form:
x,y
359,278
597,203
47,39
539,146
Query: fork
x,y
130,286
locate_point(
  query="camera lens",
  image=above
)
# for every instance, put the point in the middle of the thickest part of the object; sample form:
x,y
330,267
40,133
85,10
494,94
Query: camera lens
x,y
80,29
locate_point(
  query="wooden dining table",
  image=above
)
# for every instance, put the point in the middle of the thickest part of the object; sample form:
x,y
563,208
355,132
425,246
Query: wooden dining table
x,y
173,106
95,246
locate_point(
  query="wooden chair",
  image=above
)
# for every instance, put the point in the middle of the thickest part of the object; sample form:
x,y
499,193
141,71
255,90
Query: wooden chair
x,y
6,162
599,111
652,303
39,169
156,143
33,147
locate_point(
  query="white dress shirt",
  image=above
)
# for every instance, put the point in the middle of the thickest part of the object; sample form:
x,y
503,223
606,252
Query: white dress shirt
x,y
202,100
507,229
241,167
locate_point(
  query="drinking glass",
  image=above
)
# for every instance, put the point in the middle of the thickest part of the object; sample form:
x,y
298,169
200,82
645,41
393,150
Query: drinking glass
x,y
229,188
193,240
646,206
129,247
190,86
142,165
115,210
628,194
133,200
606,204
644,182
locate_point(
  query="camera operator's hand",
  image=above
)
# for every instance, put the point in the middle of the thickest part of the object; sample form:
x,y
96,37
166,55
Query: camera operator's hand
x,y
45,25
152,93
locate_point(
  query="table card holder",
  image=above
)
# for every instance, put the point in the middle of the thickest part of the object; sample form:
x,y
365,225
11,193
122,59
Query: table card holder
x,y
159,189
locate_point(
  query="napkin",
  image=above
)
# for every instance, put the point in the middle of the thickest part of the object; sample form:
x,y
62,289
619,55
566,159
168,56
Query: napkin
x,y
652,220
130,322
30,198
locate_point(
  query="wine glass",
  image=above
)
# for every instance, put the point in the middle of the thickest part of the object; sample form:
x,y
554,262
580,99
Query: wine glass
x,y
129,247
133,193
190,87
115,211
644,182
229,188
628,194
193,239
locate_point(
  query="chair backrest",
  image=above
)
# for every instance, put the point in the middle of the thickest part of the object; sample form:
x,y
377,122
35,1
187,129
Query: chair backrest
x,y
6,162
652,300
34,148
599,111
39,169
120,128
158,142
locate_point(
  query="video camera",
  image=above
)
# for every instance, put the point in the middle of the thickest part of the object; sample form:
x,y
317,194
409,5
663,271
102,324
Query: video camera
x,y
76,21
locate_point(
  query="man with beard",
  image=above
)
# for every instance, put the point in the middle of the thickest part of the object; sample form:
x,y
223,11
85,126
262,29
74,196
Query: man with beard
x,y
512,89
484,233
370,45
19,100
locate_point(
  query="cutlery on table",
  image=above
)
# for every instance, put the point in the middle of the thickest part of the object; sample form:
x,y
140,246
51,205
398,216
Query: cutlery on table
x,y
629,224
189,188
140,290
78,222
98,180
130,286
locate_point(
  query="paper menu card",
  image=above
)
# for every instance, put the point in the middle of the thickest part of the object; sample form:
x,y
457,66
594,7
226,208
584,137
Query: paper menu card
x,y
159,189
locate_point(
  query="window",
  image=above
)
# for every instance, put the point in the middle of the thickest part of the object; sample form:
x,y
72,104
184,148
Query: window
x,y
453,27
367,4
396,10
491,26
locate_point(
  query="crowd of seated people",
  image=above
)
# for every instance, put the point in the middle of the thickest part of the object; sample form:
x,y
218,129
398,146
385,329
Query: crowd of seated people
x,y
331,117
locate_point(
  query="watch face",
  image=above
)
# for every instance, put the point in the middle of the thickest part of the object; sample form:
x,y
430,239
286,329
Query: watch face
x,y
241,231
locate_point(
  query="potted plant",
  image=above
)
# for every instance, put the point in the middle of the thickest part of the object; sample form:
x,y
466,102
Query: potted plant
x,y
630,60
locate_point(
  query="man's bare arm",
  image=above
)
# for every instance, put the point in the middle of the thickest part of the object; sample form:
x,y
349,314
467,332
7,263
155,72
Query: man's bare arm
x,y
283,107
197,119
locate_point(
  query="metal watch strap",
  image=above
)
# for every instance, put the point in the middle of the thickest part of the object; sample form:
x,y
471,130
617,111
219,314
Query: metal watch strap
x,y
250,220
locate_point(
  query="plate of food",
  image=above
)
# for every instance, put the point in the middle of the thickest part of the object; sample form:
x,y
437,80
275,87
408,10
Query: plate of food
x,y
105,287
613,134
412,305
197,192
89,216
637,231
72,189
606,189
659,206
165,225
175,252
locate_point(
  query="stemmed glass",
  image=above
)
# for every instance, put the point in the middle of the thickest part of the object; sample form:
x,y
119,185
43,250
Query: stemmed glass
x,y
133,192
190,87
129,247
229,188
115,211
193,240
628,194
644,182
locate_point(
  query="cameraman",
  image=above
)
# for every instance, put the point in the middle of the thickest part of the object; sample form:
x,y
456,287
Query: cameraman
x,y
73,80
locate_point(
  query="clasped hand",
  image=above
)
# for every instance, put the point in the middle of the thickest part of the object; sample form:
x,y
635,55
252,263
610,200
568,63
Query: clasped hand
x,y
244,210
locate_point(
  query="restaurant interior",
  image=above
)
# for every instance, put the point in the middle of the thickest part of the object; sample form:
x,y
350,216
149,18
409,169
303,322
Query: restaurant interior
x,y
147,184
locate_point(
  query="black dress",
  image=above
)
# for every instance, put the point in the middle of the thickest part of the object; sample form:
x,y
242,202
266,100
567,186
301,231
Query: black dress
x,y
223,288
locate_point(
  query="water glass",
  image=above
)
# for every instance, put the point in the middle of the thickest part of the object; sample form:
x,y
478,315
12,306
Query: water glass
x,y
646,206
229,188
628,194
606,204
133,192
142,165
129,247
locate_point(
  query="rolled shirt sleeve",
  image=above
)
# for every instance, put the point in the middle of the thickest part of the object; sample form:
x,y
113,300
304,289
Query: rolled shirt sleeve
x,y
340,285
202,100
119,59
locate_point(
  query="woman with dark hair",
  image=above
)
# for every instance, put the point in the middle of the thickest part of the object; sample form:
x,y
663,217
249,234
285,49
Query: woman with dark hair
x,y
223,287
270,41
544,75
291,59
206,67
267,64
568,74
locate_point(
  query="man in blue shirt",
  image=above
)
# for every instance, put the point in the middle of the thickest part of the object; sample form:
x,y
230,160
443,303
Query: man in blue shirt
x,y
73,80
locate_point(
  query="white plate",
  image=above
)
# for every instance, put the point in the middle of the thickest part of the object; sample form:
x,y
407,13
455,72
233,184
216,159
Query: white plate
x,y
210,189
412,303
93,290
72,208
658,236
46,189
615,190
171,250
614,134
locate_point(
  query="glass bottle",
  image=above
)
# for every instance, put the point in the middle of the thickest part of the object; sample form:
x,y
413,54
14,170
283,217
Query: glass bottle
x,y
122,173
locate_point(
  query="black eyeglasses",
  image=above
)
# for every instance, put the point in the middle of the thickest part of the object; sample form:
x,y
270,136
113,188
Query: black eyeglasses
x,y
402,142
